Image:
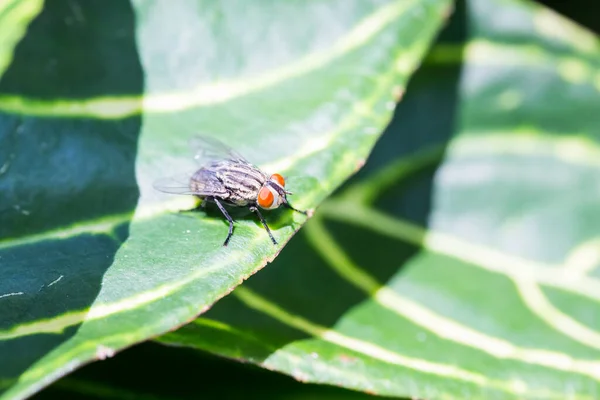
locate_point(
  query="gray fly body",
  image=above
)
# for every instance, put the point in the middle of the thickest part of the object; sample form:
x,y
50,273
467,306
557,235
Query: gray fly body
x,y
226,178
236,183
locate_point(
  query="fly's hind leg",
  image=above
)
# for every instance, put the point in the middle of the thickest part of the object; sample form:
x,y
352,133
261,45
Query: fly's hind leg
x,y
226,214
255,209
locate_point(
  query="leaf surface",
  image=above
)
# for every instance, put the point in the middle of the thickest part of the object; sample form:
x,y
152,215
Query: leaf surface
x,y
463,261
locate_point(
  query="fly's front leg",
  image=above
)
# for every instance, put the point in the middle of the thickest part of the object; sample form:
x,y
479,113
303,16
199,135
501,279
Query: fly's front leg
x,y
288,205
255,209
226,214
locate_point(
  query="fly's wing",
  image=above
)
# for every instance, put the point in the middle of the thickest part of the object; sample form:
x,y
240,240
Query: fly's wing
x,y
175,184
202,183
207,149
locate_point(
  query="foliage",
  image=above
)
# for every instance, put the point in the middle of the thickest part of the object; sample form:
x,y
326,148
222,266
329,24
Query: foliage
x,y
461,262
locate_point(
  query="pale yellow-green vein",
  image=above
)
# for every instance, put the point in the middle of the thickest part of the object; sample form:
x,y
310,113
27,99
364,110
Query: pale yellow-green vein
x,y
573,148
437,324
538,303
472,254
104,225
292,362
361,34
119,107
556,27
265,306
584,258
100,226
219,325
573,69
363,109
59,323
367,190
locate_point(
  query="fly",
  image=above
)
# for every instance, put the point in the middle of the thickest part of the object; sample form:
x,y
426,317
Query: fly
x,y
227,178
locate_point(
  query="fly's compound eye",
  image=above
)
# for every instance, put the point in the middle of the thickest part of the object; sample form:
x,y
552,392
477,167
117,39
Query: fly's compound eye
x,y
268,198
279,179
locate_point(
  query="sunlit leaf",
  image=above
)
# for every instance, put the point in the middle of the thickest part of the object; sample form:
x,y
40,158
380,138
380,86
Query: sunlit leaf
x,y
463,262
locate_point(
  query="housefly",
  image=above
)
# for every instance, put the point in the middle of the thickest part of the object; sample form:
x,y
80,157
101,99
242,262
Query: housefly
x,y
227,178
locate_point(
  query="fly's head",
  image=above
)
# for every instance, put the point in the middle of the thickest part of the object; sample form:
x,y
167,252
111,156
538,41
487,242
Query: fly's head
x,y
273,193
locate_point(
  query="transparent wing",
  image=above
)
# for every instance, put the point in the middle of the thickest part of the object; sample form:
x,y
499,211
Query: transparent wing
x,y
200,183
208,149
176,184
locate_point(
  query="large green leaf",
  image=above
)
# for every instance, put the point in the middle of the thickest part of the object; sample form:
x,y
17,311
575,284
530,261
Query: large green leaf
x,y
463,261
101,98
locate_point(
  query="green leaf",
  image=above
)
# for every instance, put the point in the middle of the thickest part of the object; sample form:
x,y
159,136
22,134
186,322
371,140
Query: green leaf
x,y
150,376
101,99
464,261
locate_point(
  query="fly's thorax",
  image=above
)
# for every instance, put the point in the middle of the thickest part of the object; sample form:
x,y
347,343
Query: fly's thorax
x,y
243,181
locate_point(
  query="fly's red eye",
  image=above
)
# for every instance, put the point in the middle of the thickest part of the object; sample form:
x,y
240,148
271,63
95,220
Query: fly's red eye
x,y
279,179
265,198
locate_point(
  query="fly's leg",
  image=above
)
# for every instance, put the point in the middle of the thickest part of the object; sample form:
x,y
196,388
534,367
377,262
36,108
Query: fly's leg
x,y
255,209
288,205
226,214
